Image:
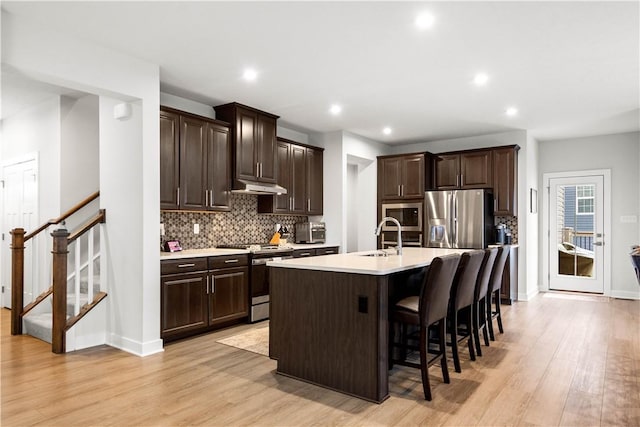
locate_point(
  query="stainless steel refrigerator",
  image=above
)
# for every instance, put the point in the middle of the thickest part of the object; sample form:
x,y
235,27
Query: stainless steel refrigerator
x,y
459,219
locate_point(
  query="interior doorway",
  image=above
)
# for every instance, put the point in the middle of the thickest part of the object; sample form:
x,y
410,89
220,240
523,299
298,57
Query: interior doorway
x,y
19,209
577,213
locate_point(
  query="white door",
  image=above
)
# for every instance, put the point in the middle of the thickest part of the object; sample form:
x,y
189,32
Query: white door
x,y
20,203
576,233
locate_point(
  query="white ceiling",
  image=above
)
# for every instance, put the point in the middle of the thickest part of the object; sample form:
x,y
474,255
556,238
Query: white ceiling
x,y
571,68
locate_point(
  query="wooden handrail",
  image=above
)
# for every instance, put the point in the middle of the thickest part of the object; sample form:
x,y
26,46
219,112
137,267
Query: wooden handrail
x,y
37,301
85,309
64,216
99,218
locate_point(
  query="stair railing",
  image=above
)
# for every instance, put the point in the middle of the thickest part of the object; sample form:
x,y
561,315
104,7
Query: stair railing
x,y
18,239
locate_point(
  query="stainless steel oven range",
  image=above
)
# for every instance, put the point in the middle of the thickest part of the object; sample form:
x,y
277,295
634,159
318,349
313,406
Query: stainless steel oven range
x,y
259,255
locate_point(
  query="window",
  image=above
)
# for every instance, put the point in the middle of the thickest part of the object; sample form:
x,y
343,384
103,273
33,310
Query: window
x,y
585,199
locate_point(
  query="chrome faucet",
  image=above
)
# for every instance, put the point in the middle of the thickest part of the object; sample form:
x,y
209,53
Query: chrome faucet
x,y
392,219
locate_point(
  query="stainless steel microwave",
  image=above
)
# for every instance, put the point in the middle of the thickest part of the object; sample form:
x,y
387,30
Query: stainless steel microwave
x,y
409,215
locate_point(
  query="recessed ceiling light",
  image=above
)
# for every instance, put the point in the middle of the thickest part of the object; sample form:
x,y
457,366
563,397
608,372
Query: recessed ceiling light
x,y
480,79
511,111
250,74
335,109
425,20
387,130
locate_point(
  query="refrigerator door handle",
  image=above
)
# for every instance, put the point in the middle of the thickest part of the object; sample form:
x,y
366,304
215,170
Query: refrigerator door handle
x,y
454,220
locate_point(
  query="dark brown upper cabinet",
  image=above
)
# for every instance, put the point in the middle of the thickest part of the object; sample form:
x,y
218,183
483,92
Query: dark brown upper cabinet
x,y
300,172
505,180
195,171
169,160
401,177
254,144
315,175
494,168
472,169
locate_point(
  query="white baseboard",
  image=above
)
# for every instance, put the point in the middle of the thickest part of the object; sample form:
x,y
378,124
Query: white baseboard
x,y
136,347
625,294
529,295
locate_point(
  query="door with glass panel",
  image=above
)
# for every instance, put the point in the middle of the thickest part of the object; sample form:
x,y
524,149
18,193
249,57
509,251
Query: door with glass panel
x,y
576,237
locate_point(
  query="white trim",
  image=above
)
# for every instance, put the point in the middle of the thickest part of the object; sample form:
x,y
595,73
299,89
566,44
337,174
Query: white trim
x,y
625,295
606,174
528,296
137,348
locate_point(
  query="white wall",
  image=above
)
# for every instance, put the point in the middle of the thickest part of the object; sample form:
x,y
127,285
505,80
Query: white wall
x,y
76,64
35,132
363,153
528,221
334,182
352,208
79,141
620,153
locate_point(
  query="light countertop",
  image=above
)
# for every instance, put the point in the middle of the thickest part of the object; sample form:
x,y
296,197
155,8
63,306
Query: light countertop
x,y
193,253
358,263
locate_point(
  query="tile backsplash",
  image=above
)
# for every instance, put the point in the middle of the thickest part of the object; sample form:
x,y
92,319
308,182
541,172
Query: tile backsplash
x,y
512,224
243,224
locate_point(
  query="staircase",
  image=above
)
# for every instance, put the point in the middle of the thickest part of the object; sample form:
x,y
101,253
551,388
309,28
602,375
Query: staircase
x,y
55,315
39,322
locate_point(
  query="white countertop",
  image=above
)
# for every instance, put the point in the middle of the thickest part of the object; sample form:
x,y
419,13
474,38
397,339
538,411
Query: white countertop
x,y
192,253
356,262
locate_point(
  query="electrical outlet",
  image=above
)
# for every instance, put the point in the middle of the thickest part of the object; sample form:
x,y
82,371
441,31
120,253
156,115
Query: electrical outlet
x,y
196,228
161,229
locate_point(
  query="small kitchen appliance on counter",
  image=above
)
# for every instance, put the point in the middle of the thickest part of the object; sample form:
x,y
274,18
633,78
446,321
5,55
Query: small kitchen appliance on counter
x,y
259,255
310,232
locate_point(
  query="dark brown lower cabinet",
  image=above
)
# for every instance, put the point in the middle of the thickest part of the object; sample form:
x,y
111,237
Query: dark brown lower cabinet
x,y
509,288
228,294
200,294
328,250
184,303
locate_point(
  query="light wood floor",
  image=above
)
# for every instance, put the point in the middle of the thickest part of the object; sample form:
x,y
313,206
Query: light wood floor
x,y
563,360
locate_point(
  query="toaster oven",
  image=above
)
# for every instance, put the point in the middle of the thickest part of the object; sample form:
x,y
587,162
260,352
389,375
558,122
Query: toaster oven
x,y
310,232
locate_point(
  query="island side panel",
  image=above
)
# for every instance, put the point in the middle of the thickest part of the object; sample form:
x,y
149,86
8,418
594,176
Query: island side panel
x,y
318,332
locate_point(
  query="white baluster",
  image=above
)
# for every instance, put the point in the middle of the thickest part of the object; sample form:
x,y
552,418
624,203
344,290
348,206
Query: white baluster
x,y
76,304
90,266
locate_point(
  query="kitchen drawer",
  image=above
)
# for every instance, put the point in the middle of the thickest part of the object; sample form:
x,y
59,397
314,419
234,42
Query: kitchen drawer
x,y
228,261
328,250
184,265
302,253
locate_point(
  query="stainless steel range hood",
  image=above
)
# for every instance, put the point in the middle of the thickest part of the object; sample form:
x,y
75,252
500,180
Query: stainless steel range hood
x,y
249,187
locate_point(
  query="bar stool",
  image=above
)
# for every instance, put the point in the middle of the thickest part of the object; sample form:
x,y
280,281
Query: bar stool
x,y
479,299
462,293
494,291
425,311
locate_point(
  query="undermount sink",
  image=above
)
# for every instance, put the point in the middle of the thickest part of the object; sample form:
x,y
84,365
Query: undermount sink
x,y
376,254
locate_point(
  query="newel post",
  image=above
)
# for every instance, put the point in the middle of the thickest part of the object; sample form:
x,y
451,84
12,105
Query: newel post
x,y
59,252
17,280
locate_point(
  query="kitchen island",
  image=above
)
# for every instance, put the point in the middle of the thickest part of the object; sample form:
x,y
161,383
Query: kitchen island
x,y
329,316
